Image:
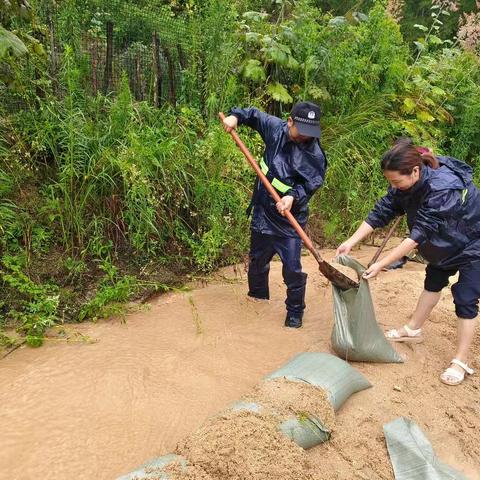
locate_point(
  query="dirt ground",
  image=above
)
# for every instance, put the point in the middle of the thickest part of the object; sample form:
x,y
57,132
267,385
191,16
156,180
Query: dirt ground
x,y
121,392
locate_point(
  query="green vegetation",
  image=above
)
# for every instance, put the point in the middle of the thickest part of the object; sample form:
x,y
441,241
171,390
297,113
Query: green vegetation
x,y
116,178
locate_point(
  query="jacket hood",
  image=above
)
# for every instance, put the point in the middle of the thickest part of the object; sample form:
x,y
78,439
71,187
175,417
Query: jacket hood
x,y
452,174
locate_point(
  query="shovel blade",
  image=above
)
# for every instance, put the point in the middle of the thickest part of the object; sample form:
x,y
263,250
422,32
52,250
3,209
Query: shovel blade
x,y
335,276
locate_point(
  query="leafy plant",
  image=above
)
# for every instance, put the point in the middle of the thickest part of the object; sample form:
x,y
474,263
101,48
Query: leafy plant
x,y
37,310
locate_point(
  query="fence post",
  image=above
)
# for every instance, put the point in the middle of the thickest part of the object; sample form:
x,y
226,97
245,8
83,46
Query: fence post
x,y
138,77
157,70
94,61
53,51
172,93
107,79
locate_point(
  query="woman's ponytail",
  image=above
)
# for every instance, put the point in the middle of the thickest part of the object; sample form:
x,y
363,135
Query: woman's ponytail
x,y
404,156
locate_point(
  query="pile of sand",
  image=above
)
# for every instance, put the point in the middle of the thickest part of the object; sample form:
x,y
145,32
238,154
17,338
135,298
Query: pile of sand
x,y
287,399
245,445
175,471
241,445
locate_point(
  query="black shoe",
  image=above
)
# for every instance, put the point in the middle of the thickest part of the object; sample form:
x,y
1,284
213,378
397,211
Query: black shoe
x,y
293,322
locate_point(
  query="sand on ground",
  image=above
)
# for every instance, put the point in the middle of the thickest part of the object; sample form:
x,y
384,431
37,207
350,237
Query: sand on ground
x,y
123,391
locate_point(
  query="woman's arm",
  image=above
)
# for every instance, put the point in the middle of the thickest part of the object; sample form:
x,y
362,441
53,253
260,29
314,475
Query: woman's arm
x,y
396,254
363,231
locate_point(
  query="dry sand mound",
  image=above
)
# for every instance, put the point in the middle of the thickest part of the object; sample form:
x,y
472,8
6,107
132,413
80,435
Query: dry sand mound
x,y
287,398
177,472
244,446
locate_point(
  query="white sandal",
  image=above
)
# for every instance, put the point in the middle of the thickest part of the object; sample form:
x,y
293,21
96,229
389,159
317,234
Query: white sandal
x,y
413,336
454,374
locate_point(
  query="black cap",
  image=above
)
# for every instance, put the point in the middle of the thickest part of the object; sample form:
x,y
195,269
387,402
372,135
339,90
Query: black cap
x,y
306,116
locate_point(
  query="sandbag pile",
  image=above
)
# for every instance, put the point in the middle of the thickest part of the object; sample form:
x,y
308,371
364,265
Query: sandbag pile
x,y
265,434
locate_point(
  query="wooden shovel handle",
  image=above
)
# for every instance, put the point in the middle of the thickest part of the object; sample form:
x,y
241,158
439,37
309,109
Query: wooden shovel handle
x,y
385,240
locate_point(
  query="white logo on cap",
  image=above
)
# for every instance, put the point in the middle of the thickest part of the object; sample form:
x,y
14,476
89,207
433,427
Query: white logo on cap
x,y
311,114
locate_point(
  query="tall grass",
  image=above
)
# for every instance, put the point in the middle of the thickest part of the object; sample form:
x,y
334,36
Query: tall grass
x,y
101,189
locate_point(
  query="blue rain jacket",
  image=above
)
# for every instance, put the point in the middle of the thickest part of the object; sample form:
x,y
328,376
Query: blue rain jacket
x,y
299,166
443,213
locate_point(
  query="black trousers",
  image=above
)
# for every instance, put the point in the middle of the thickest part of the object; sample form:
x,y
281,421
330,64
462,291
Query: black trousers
x,y
262,249
466,292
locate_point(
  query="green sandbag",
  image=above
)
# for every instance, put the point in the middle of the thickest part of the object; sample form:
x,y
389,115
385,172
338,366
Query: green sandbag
x,y
356,335
307,432
412,455
152,470
326,371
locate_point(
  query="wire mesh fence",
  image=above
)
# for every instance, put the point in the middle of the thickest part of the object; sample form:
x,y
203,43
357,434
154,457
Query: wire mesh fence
x,y
150,44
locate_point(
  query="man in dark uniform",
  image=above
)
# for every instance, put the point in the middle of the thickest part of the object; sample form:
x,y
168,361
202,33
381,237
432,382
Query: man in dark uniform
x,y
295,164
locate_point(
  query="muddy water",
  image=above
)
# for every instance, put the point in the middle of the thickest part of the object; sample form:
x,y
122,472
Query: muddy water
x,y
73,411
97,410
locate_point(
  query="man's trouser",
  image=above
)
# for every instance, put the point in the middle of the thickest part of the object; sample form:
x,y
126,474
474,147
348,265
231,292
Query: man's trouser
x,y
262,249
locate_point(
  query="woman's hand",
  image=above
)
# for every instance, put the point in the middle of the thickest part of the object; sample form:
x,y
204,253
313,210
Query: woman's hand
x,y
285,204
344,248
362,231
372,271
230,123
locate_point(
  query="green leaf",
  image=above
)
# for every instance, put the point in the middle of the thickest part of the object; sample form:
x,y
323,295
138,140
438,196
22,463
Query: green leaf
x,y
438,92
253,70
38,49
276,54
289,34
11,44
410,127
292,63
425,116
420,46
252,37
278,92
267,40
434,40
34,341
338,21
409,105
255,16
423,28
311,63
319,93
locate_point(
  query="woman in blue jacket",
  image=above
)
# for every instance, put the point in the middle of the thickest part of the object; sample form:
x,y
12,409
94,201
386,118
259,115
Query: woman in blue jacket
x,y
442,206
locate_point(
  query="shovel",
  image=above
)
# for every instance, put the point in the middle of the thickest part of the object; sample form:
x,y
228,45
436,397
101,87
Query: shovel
x,y
385,240
331,273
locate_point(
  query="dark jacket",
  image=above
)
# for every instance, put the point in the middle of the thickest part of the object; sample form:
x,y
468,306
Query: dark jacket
x,y
443,213
299,166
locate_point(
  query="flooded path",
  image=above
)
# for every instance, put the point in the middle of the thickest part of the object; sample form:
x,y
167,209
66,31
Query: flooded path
x,y
84,411
80,410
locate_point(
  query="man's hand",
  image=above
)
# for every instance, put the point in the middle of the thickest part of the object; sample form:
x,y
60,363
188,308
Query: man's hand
x,y
230,123
373,271
285,204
